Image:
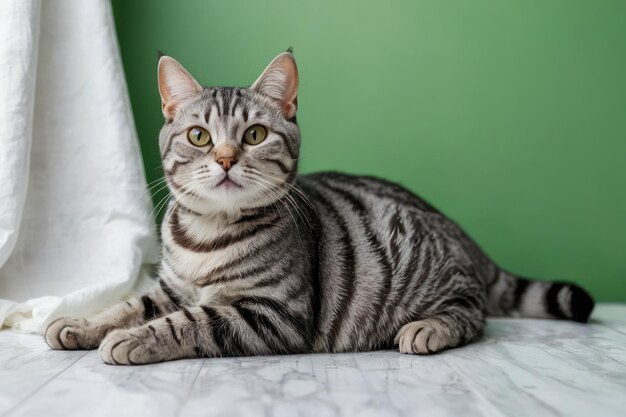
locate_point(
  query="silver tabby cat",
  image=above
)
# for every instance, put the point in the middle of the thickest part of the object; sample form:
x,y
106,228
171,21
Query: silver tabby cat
x,y
259,261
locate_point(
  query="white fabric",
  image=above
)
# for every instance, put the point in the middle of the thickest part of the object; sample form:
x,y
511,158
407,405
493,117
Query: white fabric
x,y
76,231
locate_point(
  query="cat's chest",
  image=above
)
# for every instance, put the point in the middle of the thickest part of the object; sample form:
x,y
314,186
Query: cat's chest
x,y
190,264
194,250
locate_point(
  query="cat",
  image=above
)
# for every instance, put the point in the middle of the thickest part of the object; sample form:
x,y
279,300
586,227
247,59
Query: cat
x,y
258,261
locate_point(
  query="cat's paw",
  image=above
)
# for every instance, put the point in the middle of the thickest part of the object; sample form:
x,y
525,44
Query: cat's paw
x,y
69,333
423,337
129,347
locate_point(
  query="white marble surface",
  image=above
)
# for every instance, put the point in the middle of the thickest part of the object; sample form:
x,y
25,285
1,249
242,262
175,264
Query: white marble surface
x,y
520,368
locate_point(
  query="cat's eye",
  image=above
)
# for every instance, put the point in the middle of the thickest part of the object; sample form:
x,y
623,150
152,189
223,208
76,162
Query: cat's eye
x,y
198,136
255,135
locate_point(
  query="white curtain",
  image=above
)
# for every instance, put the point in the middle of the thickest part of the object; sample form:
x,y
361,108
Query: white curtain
x,y
76,231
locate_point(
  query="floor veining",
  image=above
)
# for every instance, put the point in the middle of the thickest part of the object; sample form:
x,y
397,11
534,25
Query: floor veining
x,y
519,368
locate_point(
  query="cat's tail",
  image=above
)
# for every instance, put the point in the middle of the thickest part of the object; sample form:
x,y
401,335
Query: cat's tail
x,y
515,296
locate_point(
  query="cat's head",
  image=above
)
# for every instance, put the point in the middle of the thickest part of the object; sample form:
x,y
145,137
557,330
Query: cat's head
x,y
227,149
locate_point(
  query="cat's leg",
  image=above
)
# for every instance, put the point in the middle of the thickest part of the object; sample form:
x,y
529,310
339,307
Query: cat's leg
x,y
70,333
455,321
254,327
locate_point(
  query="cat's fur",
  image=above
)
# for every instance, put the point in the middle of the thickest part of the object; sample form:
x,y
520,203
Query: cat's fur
x,y
272,263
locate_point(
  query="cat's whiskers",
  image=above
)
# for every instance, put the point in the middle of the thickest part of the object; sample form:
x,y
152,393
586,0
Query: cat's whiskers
x,y
290,200
162,184
270,193
156,210
191,187
282,201
150,186
152,190
163,202
293,187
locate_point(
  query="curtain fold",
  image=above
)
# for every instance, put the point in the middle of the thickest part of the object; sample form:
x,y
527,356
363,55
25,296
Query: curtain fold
x,y
76,230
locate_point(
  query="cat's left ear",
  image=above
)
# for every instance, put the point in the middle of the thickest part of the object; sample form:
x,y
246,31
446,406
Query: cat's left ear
x,y
280,82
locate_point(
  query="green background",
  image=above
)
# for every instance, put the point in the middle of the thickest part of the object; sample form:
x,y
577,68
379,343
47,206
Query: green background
x,y
509,116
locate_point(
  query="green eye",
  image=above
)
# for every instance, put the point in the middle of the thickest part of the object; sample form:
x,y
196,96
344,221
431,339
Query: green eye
x,y
199,136
255,135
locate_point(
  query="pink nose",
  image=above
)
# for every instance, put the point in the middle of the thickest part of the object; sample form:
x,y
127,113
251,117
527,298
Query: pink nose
x,y
227,162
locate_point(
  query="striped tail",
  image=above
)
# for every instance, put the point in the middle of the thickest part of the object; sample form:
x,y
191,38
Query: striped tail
x,y
514,296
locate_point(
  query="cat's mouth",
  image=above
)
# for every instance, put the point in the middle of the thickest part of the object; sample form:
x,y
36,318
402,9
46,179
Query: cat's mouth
x,y
227,183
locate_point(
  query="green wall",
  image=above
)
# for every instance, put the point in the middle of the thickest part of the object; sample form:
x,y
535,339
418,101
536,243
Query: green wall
x,y
510,116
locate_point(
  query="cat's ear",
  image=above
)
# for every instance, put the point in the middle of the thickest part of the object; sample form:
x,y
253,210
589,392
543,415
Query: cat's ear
x,y
280,82
176,85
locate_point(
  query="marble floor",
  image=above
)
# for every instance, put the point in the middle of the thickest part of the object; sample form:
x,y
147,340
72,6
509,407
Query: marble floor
x,y
520,368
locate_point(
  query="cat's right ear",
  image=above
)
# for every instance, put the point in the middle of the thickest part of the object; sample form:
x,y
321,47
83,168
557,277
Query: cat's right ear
x,y
176,85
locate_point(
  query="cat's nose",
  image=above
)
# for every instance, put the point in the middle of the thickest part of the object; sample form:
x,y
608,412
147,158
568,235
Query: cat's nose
x,y
227,162
226,156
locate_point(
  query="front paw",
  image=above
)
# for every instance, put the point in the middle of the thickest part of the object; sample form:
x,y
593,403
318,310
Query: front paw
x,y
423,337
129,347
69,333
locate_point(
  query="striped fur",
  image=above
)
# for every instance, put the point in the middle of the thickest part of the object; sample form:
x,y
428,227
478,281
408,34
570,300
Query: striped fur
x,y
280,263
